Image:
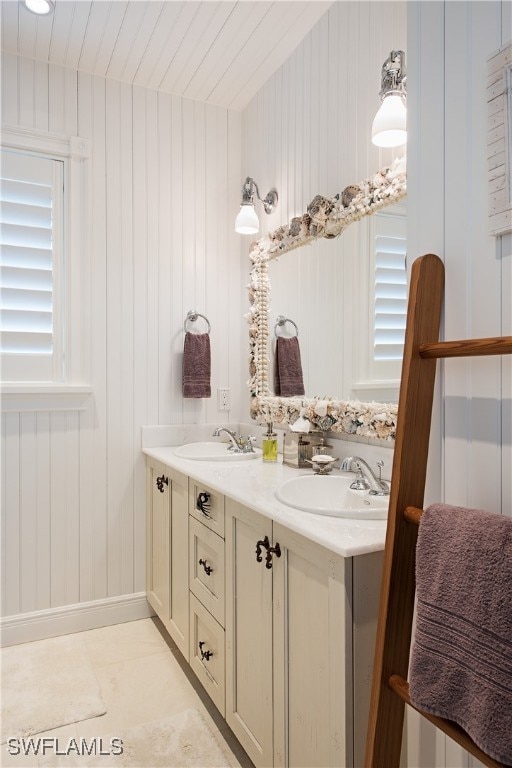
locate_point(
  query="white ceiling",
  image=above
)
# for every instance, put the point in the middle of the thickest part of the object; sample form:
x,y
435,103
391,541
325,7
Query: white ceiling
x,y
217,52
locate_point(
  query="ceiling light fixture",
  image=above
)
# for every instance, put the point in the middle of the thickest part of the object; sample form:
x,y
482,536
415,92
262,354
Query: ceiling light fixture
x,y
389,127
247,222
40,7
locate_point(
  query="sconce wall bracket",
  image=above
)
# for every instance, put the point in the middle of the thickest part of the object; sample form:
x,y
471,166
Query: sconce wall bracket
x,y
250,187
393,76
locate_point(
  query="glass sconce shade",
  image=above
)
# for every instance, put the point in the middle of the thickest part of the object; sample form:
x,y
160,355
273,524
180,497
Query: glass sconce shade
x,y
40,7
247,222
389,127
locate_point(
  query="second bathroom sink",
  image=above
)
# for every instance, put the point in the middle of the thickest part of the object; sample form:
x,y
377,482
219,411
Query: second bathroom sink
x,y
332,495
211,451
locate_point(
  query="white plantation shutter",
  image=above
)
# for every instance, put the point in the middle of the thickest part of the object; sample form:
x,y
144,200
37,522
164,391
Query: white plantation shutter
x,y
390,306
31,197
387,301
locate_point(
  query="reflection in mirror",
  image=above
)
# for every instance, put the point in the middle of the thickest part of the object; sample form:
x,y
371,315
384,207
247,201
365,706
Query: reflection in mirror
x,y
347,297
331,290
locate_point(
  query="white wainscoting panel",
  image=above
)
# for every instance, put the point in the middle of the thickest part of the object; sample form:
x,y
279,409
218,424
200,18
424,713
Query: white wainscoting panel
x,y
163,189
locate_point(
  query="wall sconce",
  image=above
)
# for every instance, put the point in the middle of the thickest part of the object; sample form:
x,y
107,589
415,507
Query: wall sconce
x,y
40,7
247,222
389,127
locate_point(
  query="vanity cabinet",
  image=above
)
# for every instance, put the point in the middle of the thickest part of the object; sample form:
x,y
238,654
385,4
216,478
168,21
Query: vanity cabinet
x,y
167,549
299,652
279,630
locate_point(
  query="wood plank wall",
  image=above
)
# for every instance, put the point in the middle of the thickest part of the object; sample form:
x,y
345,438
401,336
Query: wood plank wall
x,y
164,181
471,447
307,132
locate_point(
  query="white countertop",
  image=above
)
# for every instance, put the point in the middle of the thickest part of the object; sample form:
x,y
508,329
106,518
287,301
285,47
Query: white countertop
x,y
253,483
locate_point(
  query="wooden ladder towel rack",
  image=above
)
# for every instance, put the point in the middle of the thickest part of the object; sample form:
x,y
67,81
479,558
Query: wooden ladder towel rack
x,y
390,691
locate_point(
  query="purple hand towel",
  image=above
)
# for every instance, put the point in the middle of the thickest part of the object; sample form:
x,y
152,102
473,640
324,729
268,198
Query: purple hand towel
x,y
288,380
461,663
196,365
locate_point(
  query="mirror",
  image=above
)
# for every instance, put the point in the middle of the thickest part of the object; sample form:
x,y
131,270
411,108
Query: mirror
x,y
320,263
339,298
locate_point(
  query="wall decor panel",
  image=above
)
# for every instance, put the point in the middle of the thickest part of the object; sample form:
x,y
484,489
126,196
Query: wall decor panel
x,y
159,241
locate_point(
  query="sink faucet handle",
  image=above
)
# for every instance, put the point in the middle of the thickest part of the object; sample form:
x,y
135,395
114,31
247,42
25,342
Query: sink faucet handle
x,y
246,443
360,483
380,464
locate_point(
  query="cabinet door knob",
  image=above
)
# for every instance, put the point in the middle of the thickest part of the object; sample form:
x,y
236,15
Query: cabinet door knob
x,y
205,655
203,503
160,481
265,543
259,545
207,568
272,551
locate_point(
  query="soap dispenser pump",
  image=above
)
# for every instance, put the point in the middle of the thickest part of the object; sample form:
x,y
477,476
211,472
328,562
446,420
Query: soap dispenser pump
x,y
269,444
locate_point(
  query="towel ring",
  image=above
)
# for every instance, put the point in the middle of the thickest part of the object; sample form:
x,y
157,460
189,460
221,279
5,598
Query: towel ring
x,y
192,316
281,320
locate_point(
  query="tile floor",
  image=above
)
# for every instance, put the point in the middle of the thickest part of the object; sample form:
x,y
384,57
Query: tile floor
x,y
142,677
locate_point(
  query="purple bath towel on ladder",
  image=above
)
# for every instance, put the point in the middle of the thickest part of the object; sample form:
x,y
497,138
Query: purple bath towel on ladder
x,y
196,365
461,663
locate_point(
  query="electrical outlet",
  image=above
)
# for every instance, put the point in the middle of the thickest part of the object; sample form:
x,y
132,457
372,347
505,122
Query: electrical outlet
x,y
224,399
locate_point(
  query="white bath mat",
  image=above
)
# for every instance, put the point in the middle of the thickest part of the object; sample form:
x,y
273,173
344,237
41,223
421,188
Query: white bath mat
x,y
180,741
45,685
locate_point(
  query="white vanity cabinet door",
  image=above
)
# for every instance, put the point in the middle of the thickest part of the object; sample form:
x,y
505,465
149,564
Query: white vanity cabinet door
x,y
167,550
157,537
249,708
312,633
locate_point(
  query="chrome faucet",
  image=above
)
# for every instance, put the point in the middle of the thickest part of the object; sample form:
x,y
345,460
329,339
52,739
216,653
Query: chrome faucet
x,y
366,478
239,444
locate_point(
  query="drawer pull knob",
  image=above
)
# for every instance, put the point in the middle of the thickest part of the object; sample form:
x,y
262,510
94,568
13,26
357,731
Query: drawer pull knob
x,y
203,503
265,543
205,655
207,568
160,481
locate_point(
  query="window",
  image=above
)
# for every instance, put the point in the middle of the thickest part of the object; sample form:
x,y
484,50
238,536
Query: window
x,y
383,314
31,238
45,272
390,298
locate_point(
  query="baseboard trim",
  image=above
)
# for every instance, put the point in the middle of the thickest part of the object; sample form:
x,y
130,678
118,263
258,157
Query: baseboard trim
x,y
38,625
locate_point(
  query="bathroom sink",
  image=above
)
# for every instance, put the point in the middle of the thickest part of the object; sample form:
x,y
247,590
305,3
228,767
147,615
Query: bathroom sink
x,y
213,452
332,495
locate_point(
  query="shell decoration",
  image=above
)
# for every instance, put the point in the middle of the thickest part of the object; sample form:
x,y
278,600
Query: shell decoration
x,y
324,218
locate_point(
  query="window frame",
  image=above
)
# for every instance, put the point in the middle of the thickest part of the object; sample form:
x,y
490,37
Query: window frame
x,y
75,278
378,379
43,367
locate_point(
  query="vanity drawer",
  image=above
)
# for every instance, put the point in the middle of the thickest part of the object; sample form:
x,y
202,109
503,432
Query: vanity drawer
x,y
206,568
207,506
207,652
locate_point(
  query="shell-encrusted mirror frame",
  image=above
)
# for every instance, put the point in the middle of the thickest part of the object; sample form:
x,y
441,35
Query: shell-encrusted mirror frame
x,y
324,218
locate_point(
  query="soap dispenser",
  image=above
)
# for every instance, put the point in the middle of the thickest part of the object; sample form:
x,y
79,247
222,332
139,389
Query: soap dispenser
x,y
269,444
